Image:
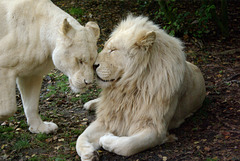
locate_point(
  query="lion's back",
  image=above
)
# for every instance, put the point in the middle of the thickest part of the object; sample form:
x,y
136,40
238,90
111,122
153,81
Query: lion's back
x,y
20,37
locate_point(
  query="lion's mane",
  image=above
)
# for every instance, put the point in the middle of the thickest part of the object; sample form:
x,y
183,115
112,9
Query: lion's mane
x,y
142,96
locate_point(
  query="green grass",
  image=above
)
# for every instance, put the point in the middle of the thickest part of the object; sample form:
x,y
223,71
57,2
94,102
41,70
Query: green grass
x,y
60,85
211,159
42,137
7,136
15,136
23,124
21,144
35,158
5,129
78,131
76,11
89,94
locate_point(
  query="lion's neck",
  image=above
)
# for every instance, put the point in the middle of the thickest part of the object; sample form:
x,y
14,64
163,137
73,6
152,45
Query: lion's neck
x,y
54,18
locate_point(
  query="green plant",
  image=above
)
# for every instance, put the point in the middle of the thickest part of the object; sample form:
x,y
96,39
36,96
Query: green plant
x,y
21,144
35,158
202,17
23,124
89,94
219,16
60,85
52,91
79,131
197,24
6,136
59,158
211,159
41,137
46,118
77,12
75,99
143,4
5,129
73,144
173,20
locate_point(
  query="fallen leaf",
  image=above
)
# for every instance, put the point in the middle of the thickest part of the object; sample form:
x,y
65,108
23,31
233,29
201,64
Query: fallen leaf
x,y
207,149
49,140
164,158
61,139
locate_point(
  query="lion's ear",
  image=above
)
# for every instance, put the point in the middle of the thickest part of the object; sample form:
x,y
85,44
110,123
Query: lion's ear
x,y
94,28
146,40
66,29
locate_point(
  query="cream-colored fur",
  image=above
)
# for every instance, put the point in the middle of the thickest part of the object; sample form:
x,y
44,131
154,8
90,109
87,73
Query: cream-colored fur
x,y
148,88
35,36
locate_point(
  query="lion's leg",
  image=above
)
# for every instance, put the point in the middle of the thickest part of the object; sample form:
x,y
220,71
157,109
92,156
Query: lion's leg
x,y
91,105
88,141
7,94
30,91
129,145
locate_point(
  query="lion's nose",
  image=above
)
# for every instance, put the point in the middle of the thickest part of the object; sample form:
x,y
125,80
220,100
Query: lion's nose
x,y
87,82
95,66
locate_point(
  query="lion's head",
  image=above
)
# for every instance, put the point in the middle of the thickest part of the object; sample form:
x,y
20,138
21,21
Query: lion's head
x,y
139,54
76,52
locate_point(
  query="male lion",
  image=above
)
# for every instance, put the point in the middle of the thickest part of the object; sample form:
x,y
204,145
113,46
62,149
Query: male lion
x,y
35,35
148,88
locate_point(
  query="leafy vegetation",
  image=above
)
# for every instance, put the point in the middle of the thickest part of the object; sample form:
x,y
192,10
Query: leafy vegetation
x,y
59,84
197,24
77,12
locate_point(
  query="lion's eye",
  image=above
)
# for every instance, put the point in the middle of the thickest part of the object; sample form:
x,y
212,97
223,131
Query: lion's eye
x,y
80,61
112,50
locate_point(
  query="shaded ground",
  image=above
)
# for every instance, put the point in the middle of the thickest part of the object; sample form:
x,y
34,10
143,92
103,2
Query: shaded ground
x,y
211,134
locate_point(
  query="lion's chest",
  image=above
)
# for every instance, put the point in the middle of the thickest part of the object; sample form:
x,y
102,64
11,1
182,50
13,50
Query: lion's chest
x,y
123,119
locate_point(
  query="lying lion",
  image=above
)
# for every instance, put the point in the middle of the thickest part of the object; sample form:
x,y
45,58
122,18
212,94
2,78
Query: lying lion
x,y
148,88
35,35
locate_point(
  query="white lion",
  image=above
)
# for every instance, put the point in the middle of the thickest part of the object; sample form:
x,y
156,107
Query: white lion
x,y
148,88
35,36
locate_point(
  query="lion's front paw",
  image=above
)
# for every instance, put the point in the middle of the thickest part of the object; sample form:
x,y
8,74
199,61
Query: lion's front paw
x,y
44,127
89,106
86,151
90,157
114,144
107,142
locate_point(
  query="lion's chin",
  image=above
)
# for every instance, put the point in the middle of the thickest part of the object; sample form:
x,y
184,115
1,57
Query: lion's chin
x,y
103,80
104,83
78,90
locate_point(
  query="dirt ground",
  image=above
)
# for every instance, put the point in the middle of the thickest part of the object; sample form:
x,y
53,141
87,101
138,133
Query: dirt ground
x,y
211,134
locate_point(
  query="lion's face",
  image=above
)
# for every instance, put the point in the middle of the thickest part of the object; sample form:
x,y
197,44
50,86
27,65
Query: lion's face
x,y
75,54
121,53
110,64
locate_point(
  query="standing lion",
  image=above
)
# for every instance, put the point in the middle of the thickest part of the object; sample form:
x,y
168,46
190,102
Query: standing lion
x,y
148,88
35,36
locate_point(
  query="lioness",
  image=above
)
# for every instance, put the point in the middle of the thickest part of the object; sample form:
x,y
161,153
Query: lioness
x,y
35,35
148,88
